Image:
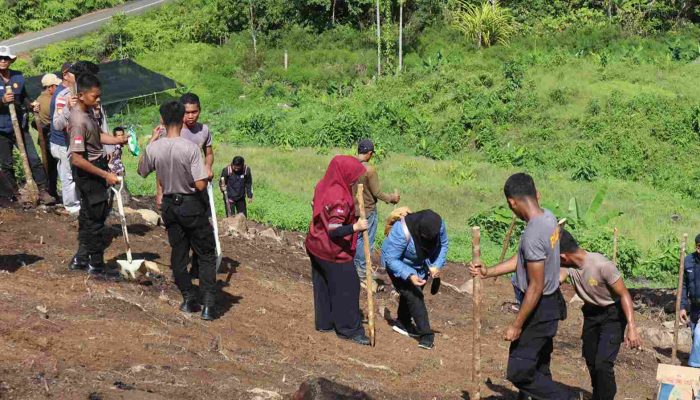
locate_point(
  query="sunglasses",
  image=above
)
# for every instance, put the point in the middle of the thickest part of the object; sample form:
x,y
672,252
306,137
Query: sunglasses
x,y
5,58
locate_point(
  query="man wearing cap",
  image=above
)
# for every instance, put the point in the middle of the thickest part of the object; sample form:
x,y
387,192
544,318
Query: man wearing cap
x,y
18,96
49,83
371,193
690,295
58,137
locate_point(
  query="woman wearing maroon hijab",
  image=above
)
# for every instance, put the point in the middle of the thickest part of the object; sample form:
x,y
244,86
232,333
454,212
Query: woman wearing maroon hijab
x,y
331,246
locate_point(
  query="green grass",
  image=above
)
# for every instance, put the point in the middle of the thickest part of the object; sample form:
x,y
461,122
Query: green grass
x,y
284,182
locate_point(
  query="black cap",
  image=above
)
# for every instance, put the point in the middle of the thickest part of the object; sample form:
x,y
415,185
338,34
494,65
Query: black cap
x,y
82,67
697,239
365,146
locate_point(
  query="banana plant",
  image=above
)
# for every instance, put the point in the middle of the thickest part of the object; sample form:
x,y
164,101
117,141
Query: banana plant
x,y
592,215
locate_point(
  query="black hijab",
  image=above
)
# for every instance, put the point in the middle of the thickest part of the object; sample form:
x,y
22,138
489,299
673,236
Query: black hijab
x,y
424,227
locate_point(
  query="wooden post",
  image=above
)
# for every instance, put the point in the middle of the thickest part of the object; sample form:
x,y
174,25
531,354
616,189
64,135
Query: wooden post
x,y
369,271
32,194
506,240
476,325
681,268
286,60
379,44
42,144
615,233
401,35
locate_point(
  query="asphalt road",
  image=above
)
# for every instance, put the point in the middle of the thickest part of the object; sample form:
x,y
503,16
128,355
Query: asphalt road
x,y
79,26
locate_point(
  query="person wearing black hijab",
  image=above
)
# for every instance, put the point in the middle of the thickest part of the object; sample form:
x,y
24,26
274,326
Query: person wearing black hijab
x,y
415,248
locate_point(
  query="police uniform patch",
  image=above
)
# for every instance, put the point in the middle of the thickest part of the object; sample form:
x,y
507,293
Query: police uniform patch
x,y
592,282
15,85
78,140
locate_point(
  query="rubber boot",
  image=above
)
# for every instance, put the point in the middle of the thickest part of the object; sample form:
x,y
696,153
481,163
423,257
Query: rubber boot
x,y
189,303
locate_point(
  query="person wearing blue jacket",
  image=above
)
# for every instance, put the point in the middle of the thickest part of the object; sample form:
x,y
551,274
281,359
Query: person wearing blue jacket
x,y
415,249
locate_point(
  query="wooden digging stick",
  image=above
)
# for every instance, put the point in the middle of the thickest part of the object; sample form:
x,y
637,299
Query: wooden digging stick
x,y
681,268
506,241
476,326
368,263
615,246
31,189
42,144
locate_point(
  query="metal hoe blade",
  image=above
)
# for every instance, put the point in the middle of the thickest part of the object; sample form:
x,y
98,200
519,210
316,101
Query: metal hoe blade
x,y
215,224
128,267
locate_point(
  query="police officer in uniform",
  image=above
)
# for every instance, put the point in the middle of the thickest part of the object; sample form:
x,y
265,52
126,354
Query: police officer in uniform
x,y
180,168
536,268
91,175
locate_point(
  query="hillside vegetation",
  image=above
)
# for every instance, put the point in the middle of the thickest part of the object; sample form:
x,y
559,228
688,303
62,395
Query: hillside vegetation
x,y
596,106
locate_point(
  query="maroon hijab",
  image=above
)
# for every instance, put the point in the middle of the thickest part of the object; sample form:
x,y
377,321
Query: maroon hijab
x,y
333,197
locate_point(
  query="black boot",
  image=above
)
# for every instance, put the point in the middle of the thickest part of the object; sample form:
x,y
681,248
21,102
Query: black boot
x,y
189,303
78,264
209,309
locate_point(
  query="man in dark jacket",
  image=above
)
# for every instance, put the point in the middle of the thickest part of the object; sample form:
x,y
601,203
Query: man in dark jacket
x,y
238,184
690,297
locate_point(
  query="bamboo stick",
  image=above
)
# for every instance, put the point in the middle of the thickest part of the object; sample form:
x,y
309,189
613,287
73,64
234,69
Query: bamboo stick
x,y
476,326
506,241
674,356
369,272
32,191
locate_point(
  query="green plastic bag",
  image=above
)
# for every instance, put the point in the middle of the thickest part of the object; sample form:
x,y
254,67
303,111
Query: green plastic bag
x,y
133,142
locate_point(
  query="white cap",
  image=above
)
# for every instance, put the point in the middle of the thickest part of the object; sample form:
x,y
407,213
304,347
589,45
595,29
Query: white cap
x,y
50,80
5,52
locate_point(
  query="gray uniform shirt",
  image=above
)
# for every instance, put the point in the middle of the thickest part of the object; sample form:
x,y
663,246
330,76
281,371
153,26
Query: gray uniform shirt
x,y
178,163
540,242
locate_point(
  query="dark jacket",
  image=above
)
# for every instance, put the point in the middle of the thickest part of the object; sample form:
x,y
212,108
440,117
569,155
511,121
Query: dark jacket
x,y
238,185
21,101
690,297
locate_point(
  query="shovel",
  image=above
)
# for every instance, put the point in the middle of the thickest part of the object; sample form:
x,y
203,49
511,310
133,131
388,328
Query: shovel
x,y
214,222
129,266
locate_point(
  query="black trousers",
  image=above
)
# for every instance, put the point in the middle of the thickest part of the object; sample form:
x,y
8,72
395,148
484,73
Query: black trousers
x,y
336,297
188,228
603,333
7,143
412,308
95,205
51,165
530,356
239,207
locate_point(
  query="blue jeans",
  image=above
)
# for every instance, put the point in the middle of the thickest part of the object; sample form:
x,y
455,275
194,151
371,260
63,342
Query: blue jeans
x,y
360,262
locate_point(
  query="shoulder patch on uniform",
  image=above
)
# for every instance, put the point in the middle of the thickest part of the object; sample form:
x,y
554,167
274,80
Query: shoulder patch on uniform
x,y
78,140
554,238
15,85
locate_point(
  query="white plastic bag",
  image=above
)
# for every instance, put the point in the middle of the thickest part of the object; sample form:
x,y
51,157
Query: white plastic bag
x,y
694,360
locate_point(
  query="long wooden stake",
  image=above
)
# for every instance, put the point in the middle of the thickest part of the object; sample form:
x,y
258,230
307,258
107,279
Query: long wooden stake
x,y
506,241
42,144
615,233
681,269
32,191
379,43
369,272
476,325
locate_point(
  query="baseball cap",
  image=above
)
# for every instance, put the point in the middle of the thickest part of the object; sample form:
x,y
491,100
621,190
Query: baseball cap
x,y
697,239
365,146
50,80
82,67
5,52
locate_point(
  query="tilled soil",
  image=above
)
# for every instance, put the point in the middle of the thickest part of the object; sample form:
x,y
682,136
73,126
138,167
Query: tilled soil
x,y
64,335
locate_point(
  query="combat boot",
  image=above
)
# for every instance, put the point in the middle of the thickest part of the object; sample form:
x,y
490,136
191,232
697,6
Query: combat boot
x,y
189,303
209,309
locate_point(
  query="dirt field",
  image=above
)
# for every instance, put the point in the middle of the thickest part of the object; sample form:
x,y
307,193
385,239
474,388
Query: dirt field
x,y
66,336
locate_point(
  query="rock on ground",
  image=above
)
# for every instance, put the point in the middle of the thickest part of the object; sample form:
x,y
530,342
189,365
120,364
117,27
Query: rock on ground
x,y
236,225
323,389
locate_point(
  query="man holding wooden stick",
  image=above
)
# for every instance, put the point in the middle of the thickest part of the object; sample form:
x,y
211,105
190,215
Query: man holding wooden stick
x,y
690,291
371,194
537,274
17,96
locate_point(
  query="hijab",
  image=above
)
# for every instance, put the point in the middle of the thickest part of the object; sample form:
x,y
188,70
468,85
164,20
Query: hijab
x,y
424,227
336,184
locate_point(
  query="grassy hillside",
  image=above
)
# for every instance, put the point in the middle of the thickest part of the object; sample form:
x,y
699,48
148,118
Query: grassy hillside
x,y
583,106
